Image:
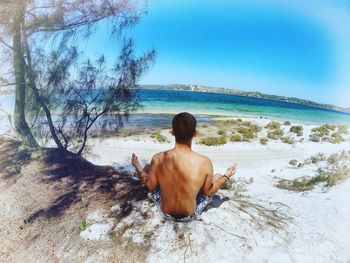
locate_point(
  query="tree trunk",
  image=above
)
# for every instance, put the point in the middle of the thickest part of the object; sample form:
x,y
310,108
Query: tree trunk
x,y
39,98
19,113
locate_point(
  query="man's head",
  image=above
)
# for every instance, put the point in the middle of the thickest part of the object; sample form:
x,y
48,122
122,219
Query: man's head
x,y
184,127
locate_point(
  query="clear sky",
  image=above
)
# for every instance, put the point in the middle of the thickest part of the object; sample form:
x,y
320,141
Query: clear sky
x,y
292,48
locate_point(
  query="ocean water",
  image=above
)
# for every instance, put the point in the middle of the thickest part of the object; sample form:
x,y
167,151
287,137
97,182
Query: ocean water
x,y
158,104
170,101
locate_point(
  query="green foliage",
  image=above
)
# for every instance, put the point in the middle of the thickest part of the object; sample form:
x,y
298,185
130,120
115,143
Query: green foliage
x,y
337,137
344,129
221,132
323,133
332,159
320,157
273,125
229,122
249,130
247,133
288,140
330,127
275,134
159,137
315,137
213,141
125,134
337,170
264,141
300,184
293,162
256,128
83,225
287,123
298,129
236,138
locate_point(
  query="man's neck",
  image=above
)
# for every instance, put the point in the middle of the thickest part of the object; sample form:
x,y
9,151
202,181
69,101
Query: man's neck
x,y
183,146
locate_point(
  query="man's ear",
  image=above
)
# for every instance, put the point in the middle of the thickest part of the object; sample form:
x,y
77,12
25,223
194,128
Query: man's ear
x,y
195,133
172,133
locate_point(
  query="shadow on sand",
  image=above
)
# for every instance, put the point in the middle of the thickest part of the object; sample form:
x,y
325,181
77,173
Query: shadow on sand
x,y
87,183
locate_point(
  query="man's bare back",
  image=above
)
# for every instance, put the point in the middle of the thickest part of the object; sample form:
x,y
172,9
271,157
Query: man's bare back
x,y
181,174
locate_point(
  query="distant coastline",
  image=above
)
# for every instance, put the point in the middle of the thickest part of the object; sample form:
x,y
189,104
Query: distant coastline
x,y
255,94
206,89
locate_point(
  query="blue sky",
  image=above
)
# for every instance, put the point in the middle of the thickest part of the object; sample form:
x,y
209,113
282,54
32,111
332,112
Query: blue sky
x,y
287,48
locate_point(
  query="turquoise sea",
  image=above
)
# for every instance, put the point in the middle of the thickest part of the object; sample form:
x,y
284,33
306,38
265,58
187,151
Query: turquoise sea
x,y
170,101
158,104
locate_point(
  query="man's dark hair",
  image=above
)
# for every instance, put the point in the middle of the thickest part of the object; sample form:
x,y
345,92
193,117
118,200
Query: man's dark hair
x,y
184,126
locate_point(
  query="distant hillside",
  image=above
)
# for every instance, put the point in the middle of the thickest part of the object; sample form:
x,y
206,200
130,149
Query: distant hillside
x,y
254,94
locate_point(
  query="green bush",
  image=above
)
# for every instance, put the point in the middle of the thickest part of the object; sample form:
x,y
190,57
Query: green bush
x,y
229,122
287,123
222,132
273,125
264,141
298,129
247,133
322,130
287,139
293,162
275,134
320,157
315,137
159,137
213,141
337,137
236,138
301,184
343,129
336,170
83,225
330,127
252,126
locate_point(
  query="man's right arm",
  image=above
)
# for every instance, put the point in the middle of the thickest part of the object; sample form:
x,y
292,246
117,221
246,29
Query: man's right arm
x,y
210,187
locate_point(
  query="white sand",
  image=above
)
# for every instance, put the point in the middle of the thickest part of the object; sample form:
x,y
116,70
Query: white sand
x,y
318,229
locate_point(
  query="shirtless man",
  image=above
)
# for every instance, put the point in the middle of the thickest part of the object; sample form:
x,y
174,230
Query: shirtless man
x,y
182,174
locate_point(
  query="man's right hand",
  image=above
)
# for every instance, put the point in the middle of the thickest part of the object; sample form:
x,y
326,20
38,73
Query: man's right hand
x,y
231,170
135,162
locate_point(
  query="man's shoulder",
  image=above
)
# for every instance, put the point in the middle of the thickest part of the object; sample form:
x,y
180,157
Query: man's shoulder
x,y
202,158
159,155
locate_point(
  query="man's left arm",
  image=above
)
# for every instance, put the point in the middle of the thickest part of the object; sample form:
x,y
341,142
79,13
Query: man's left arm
x,y
149,177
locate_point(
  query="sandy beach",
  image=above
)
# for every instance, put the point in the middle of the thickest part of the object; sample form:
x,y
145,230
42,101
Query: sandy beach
x,y
312,226
283,205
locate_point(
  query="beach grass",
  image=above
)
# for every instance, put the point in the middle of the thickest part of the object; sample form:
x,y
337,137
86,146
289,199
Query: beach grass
x,y
236,138
288,140
264,141
275,134
213,141
293,162
273,125
336,170
159,137
329,133
297,129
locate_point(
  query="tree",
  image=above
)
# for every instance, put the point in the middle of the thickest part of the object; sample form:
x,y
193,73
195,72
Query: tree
x,y
64,22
